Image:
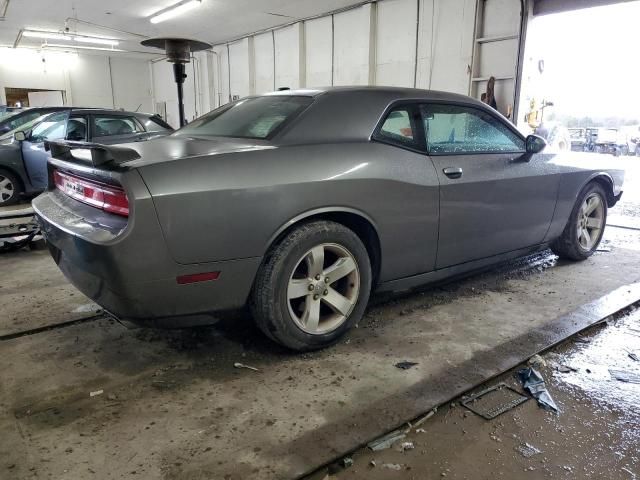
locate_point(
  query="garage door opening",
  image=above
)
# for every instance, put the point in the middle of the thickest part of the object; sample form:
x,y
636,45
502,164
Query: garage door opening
x,y
580,79
34,97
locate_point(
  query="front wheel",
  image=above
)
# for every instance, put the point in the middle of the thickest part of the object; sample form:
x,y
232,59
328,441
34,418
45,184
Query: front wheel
x,y
10,188
585,228
313,286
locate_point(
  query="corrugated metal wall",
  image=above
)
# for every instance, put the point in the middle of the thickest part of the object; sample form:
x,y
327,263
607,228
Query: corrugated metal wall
x,y
421,43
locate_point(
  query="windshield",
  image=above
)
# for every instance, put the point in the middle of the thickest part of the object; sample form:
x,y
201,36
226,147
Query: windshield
x,y
38,125
256,117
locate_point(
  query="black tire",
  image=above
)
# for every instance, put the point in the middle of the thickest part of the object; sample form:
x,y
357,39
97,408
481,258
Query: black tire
x,y
16,187
269,302
567,245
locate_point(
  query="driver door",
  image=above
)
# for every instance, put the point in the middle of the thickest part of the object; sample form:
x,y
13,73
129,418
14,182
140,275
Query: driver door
x,y
493,198
34,155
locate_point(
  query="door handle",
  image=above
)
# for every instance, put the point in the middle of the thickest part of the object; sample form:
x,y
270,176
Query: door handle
x,y
453,172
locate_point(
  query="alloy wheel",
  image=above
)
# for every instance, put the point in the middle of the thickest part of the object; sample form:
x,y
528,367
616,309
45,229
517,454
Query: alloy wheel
x,y
6,189
323,288
590,221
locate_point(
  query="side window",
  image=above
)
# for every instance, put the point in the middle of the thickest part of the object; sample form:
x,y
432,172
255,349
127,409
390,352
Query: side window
x,y
106,126
51,128
458,130
398,127
77,129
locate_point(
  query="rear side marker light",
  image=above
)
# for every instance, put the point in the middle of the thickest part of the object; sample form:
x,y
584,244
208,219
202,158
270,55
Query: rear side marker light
x,y
197,277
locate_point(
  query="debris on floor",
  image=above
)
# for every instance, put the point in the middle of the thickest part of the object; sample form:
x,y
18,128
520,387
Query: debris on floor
x,y
242,365
527,450
346,462
425,417
386,441
405,365
494,401
96,393
565,369
624,376
392,466
537,361
407,446
533,382
633,356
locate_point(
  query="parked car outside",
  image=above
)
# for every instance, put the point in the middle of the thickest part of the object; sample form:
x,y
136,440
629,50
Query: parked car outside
x,y
300,203
23,159
611,141
578,139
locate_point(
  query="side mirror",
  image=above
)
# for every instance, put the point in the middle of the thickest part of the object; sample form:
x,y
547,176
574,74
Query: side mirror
x,y
20,136
535,144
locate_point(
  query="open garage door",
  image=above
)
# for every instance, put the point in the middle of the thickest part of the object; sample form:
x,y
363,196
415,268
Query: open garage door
x,y
499,28
544,7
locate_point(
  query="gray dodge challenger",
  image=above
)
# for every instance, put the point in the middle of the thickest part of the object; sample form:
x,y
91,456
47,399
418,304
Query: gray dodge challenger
x,y
301,203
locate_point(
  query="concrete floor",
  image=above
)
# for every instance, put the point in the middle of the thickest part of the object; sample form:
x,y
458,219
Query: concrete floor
x,y
595,435
171,404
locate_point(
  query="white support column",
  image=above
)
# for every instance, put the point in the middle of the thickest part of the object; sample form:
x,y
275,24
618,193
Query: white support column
x,y
373,40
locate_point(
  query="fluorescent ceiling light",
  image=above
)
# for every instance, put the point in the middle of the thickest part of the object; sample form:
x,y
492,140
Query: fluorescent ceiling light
x,y
96,40
175,10
67,37
45,35
85,47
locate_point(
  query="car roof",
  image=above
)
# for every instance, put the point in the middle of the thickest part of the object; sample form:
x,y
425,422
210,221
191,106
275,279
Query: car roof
x,y
108,111
87,110
340,114
400,92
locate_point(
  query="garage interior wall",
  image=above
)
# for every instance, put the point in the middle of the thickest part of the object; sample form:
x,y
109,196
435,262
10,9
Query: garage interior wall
x,y
372,44
407,43
87,80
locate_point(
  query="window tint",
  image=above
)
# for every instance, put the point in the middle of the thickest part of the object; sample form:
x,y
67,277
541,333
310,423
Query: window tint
x,y
256,117
115,125
77,129
397,126
51,128
455,129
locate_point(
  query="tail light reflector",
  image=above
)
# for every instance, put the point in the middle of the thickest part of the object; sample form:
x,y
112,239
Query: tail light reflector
x,y
105,197
197,277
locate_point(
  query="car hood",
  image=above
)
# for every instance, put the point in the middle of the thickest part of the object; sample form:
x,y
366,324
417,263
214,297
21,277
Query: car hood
x,y
179,147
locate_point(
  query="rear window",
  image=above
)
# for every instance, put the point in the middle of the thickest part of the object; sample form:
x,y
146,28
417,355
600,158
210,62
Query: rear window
x,y
115,125
257,117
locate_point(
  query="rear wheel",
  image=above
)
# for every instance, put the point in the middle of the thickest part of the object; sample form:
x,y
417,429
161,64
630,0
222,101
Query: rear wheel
x,y
585,228
313,286
10,188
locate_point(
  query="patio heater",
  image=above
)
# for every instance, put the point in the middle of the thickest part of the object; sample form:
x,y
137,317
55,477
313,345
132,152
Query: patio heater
x,y
178,52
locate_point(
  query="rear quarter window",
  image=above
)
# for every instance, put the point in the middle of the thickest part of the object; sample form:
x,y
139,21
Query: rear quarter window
x,y
106,126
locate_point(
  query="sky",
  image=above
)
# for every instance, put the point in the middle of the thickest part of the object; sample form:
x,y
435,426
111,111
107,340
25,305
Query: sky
x,y
591,60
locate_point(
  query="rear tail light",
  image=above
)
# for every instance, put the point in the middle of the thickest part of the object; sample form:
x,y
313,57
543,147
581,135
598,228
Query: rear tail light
x,y
105,197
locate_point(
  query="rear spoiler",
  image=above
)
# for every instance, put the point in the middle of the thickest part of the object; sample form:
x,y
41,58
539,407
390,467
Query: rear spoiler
x,y
91,153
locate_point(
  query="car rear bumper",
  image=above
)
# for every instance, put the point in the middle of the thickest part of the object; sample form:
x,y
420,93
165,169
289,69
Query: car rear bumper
x,y
131,275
